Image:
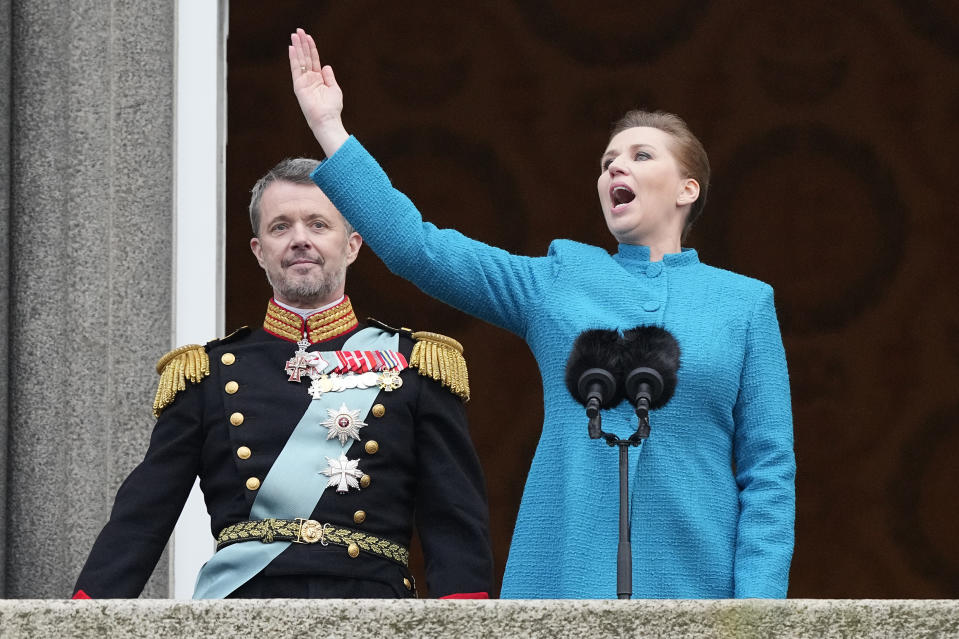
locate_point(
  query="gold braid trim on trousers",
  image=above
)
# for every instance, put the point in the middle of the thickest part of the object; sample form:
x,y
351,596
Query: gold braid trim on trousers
x,y
308,531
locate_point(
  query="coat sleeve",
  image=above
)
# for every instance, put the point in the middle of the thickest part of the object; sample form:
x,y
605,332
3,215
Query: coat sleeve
x,y
147,505
482,280
765,462
452,516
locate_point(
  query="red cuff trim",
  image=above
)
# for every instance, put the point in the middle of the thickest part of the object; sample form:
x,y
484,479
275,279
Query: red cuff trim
x,y
467,595
81,595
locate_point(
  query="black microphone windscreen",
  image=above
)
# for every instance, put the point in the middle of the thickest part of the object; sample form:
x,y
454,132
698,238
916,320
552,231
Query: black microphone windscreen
x,y
595,348
652,347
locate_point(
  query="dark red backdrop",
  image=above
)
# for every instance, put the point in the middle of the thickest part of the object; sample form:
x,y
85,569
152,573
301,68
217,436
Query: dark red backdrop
x,y
832,132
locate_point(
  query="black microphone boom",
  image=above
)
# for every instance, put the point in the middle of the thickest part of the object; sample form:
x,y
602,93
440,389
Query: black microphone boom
x,y
590,375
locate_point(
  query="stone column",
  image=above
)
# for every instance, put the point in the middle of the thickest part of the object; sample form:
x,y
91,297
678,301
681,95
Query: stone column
x,y
5,49
90,263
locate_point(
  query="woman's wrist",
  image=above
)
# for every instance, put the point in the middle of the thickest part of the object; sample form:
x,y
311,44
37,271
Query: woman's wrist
x,y
331,134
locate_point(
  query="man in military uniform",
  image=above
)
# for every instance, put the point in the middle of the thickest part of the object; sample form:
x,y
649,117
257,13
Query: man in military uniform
x,y
317,440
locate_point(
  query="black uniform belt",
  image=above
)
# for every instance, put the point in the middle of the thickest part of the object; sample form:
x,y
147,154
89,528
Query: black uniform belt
x,y
309,531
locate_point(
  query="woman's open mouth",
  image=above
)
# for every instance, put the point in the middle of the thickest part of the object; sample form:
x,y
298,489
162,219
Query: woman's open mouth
x,y
620,196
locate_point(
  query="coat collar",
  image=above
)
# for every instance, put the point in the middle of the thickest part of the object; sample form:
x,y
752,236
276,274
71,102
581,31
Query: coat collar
x,y
318,327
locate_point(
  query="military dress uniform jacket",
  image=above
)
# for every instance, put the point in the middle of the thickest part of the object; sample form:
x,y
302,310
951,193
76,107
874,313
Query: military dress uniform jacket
x,y
415,452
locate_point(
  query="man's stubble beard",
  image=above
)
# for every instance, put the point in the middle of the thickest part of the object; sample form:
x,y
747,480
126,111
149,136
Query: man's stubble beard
x,y
308,291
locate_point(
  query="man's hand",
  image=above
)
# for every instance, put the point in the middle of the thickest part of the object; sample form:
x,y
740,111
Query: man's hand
x,y
320,97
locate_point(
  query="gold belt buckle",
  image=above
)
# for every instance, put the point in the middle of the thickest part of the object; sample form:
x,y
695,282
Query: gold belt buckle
x,y
310,532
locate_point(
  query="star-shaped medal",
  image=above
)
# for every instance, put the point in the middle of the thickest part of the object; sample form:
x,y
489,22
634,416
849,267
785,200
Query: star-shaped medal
x,y
343,473
343,423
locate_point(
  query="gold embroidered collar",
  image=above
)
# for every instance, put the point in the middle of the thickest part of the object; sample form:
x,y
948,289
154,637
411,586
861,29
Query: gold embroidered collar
x,y
319,326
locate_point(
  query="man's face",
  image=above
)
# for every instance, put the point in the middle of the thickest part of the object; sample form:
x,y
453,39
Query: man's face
x,y
303,245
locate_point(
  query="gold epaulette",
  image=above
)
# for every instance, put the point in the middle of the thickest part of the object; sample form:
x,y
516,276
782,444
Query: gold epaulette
x,y
441,358
185,363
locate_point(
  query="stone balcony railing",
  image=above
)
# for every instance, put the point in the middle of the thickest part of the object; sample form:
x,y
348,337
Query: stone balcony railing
x,y
315,619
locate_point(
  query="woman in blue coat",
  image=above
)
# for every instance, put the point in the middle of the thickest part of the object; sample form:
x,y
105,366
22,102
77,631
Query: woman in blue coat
x,y
712,489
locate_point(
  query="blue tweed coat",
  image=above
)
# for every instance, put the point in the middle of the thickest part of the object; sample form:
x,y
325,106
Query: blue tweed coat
x,y
712,489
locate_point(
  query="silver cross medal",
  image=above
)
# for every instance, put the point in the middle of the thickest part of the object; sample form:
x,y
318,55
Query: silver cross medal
x,y
297,365
343,473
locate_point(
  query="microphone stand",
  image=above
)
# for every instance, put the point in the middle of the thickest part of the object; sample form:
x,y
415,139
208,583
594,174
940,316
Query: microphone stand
x,y
643,351
624,550
642,386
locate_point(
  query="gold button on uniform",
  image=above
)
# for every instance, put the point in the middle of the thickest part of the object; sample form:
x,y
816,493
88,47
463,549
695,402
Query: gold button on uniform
x,y
353,550
407,583
253,483
231,387
236,419
378,410
359,516
372,447
228,358
365,481
243,452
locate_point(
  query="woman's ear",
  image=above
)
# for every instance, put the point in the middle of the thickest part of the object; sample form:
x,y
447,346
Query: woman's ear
x,y
689,192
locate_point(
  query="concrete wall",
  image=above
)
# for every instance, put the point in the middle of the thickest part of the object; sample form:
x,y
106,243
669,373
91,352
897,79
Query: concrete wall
x,y
821,619
89,212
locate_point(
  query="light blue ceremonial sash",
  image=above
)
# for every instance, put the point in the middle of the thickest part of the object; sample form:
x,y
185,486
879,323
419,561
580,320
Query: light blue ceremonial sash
x,y
295,482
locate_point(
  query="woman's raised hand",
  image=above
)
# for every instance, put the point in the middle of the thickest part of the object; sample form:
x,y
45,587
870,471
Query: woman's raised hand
x,y
320,97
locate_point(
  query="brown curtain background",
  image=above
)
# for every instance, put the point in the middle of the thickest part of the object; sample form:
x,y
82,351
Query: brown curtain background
x,y
831,127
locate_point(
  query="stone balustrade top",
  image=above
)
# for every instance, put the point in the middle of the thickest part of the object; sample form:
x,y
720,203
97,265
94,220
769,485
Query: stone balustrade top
x,y
399,619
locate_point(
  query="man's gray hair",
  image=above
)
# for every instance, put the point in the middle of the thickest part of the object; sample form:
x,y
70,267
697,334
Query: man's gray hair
x,y
295,170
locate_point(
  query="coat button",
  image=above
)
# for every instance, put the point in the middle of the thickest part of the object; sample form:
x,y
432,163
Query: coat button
x,y
372,447
236,419
651,305
231,387
359,516
365,481
407,583
243,452
378,410
253,483
353,551
228,358
654,269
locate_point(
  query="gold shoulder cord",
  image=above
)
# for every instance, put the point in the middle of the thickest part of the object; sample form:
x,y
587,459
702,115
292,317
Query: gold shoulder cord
x,y
441,358
185,363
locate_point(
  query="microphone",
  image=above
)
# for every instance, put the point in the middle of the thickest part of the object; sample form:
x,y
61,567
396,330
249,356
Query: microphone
x,y
649,360
590,374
